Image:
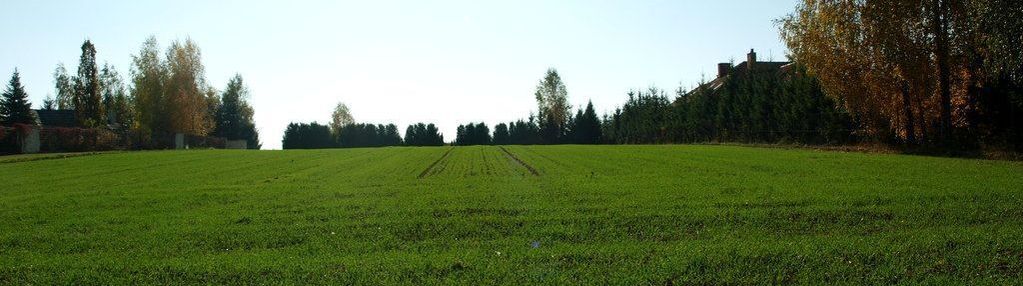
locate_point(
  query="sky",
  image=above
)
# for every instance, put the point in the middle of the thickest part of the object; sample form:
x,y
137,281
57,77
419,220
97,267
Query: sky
x,y
402,62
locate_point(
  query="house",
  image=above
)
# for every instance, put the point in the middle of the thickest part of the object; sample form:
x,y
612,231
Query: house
x,y
725,70
56,118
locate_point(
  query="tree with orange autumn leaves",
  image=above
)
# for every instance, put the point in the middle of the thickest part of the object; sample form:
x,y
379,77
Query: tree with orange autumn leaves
x,y
922,71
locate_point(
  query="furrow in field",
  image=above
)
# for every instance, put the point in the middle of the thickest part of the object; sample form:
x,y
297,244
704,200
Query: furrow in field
x,y
428,171
520,162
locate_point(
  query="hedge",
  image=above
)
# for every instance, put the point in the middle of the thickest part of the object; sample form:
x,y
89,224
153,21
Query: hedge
x,y
61,139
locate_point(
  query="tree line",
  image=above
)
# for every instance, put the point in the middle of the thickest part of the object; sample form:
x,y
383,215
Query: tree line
x,y
356,135
759,106
937,73
756,106
344,132
167,93
554,123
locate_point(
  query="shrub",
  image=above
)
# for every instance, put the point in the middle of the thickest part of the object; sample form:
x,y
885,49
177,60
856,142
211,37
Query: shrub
x,y
196,142
8,140
61,139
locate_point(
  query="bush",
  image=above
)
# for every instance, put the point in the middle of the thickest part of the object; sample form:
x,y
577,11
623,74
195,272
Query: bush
x,y
196,142
8,140
61,139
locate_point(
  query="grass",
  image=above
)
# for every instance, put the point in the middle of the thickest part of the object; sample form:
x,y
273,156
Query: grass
x,y
511,215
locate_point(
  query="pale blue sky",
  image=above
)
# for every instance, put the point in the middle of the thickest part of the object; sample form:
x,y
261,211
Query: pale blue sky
x,y
446,62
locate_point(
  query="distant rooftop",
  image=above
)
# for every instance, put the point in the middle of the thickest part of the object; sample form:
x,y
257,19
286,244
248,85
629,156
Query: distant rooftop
x,y
725,69
56,118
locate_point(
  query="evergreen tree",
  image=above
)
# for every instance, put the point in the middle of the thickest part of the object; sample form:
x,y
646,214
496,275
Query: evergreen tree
x,y
307,136
482,134
368,135
391,136
88,99
588,126
412,136
523,132
470,135
234,115
49,103
433,136
15,108
421,134
574,134
501,136
473,134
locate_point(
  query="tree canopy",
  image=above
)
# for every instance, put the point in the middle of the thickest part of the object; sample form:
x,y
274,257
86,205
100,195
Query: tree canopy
x,y
553,108
88,89
421,134
473,134
170,93
234,115
921,70
340,117
307,136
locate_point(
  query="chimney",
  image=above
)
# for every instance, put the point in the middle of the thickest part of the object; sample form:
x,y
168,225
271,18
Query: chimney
x,y
723,69
751,59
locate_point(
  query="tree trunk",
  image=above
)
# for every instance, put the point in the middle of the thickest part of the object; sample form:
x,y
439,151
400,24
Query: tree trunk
x,y
908,110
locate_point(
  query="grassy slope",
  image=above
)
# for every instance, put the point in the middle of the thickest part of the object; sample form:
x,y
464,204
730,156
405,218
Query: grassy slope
x,y
614,214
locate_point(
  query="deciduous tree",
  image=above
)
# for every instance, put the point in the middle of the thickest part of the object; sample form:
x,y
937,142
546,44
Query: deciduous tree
x,y
148,92
115,98
914,69
234,115
65,88
186,96
553,108
340,117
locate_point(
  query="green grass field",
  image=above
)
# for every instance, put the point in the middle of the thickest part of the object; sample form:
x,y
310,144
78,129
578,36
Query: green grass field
x,y
509,215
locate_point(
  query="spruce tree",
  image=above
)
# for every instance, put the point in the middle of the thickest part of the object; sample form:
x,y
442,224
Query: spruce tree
x,y
15,108
589,126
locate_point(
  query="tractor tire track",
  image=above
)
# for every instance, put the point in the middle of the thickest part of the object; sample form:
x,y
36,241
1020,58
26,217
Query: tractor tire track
x,y
520,162
426,173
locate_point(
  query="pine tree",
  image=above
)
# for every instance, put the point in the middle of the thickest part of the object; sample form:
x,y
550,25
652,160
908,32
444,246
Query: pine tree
x,y
15,108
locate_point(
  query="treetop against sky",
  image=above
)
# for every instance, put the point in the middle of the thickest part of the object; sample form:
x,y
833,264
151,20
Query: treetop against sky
x,y
401,62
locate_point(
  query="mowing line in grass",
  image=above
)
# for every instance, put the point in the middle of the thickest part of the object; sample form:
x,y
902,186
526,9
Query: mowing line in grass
x,y
427,171
521,163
